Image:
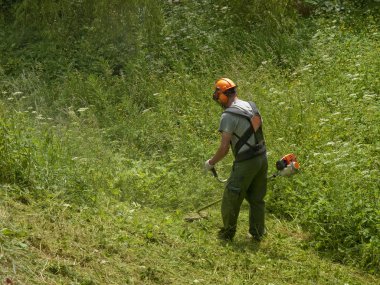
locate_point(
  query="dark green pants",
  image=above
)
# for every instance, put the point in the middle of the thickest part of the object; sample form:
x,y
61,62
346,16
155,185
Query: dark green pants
x,y
248,180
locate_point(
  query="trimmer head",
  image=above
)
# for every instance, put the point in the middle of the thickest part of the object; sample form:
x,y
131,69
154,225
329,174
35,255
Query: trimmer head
x,y
196,216
200,213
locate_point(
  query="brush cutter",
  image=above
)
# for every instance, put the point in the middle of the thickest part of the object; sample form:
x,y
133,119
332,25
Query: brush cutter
x,y
286,166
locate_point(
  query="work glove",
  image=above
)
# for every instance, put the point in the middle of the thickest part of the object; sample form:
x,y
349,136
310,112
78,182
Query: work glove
x,y
208,166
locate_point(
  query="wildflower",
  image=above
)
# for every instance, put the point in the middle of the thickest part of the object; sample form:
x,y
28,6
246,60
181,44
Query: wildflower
x,y
82,109
369,97
146,110
307,67
322,121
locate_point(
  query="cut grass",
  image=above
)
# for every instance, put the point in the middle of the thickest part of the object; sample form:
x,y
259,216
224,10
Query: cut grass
x,y
51,242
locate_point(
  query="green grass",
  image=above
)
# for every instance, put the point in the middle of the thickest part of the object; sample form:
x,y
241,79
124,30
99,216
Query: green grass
x,y
117,243
98,170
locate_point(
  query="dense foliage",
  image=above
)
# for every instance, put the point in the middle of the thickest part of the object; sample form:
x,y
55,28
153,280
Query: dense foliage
x,y
112,99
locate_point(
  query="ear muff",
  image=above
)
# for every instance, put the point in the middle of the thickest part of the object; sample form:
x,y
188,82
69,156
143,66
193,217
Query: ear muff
x,y
220,97
223,99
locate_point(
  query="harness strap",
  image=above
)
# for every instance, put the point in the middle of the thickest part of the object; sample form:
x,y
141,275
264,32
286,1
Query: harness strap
x,y
244,138
259,147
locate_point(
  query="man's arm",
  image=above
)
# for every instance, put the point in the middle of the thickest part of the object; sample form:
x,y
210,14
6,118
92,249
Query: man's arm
x,y
223,149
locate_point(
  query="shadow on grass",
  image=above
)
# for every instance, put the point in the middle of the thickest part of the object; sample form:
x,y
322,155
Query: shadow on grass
x,y
242,245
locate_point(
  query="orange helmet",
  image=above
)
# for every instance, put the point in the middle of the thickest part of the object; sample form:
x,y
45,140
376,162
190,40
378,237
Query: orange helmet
x,y
224,88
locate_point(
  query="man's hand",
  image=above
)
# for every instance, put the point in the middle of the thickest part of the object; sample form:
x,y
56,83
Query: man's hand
x,y
208,166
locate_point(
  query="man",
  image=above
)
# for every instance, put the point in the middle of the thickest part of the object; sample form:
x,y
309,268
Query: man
x,y
241,128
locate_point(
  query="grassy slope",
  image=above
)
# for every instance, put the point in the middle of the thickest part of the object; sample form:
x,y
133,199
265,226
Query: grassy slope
x,y
53,241
133,245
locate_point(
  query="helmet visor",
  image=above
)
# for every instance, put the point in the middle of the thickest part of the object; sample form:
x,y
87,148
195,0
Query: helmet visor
x,y
216,94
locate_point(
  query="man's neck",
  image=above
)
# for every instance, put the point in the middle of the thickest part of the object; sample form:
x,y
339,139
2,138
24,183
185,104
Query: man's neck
x,y
231,101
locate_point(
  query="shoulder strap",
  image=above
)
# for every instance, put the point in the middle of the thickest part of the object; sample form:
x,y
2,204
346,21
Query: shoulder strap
x,y
243,113
248,133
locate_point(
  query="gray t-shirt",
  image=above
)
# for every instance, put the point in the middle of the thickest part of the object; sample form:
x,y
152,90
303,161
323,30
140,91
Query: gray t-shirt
x,y
237,125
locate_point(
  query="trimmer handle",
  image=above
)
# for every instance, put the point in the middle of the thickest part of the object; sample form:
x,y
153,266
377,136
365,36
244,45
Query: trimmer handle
x,y
213,170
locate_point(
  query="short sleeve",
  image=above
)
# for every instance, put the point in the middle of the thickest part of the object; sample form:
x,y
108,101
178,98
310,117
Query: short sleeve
x,y
227,123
